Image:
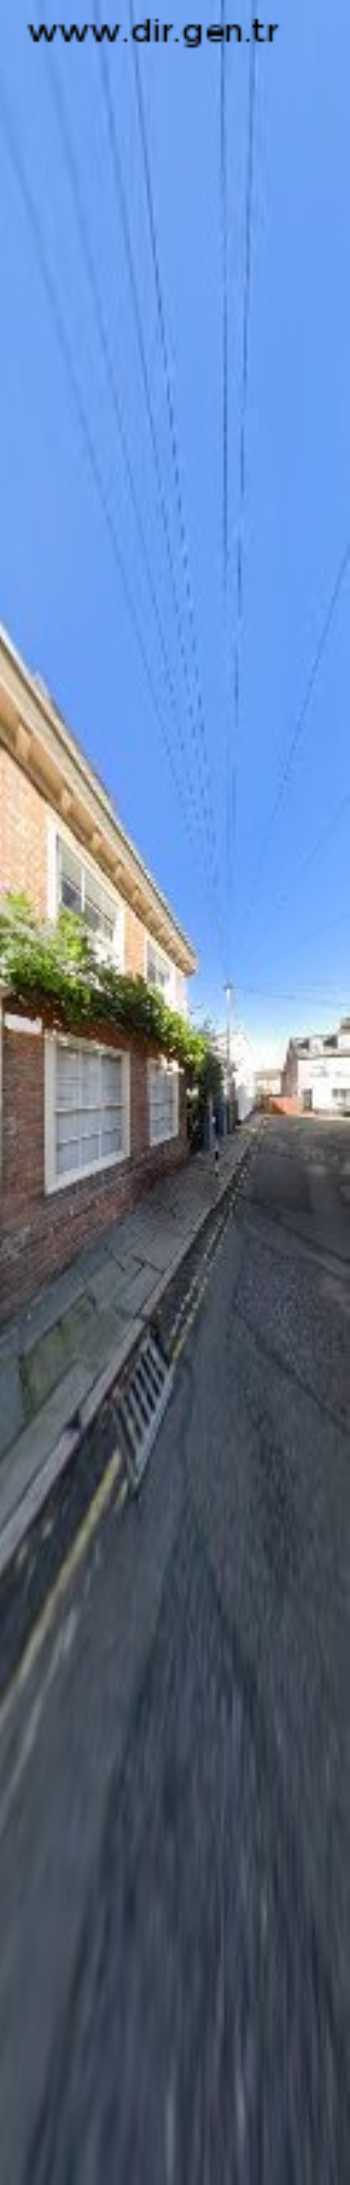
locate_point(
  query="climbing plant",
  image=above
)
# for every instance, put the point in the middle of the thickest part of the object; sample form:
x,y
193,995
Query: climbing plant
x,y
54,970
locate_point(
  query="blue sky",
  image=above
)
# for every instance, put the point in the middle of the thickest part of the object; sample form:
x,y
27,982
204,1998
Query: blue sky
x,y
60,592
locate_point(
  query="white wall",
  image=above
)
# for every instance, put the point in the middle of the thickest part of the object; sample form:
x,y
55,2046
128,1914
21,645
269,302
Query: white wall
x,y
245,1094
326,1075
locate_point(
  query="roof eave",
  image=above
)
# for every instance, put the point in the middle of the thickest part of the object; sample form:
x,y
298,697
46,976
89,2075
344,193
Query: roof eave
x,y
31,724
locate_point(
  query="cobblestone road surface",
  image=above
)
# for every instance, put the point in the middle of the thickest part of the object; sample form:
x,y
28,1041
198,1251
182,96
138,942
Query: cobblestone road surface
x,y
175,1783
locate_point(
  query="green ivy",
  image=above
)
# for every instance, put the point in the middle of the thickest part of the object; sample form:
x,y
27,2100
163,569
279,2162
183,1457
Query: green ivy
x,y
54,969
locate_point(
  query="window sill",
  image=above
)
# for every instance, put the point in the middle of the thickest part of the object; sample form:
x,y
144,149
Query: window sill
x,y
167,1139
82,1175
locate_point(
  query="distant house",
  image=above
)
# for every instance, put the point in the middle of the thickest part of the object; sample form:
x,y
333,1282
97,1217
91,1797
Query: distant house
x,y
235,1053
85,1125
268,1083
316,1072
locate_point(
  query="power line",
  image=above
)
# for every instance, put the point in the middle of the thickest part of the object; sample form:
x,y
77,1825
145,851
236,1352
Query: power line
x,y
224,246
311,856
330,829
232,740
317,847
125,224
333,924
102,328
302,715
242,445
245,333
66,350
225,459
201,737
308,993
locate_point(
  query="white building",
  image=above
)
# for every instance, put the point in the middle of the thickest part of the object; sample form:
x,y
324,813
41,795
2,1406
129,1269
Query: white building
x,y
268,1081
317,1071
236,1054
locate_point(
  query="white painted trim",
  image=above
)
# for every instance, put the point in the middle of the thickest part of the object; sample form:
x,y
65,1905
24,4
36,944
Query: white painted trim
x,y
53,1182
30,1025
170,1068
1,1088
126,1077
58,827
49,1111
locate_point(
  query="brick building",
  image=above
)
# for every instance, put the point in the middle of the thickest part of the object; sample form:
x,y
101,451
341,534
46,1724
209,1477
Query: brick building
x,y
86,1124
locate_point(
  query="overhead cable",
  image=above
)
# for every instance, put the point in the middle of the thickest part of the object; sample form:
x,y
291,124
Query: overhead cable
x,y
199,721
130,259
298,729
112,381
50,285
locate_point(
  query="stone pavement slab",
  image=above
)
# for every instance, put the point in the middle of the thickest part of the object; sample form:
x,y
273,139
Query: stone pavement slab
x,y
11,1404
78,1328
107,1286
49,1305
140,1289
93,1348
33,1445
160,1253
42,1368
69,1339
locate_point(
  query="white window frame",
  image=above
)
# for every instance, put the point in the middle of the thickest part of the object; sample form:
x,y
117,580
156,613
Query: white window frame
x,y
170,998
53,1182
1,1083
171,1069
59,832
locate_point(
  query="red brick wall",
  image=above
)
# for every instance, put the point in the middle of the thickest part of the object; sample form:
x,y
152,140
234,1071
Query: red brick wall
x,y
24,859
23,838
39,1235
134,944
284,1104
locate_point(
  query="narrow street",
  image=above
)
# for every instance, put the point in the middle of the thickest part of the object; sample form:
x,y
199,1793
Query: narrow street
x,y
175,1779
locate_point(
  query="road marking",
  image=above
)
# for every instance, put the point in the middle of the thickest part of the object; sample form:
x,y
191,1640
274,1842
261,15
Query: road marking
x,y
68,1570
198,1286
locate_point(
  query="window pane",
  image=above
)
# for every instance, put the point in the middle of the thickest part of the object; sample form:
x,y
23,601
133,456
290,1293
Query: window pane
x,y
89,1122
68,1129
157,968
162,1103
112,1079
108,925
70,872
111,1117
91,915
67,1158
70,898
90,1078
90,1150
99,912
112,1139
67,1077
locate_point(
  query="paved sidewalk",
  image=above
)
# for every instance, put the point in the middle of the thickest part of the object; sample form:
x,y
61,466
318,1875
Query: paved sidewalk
x,y
62,1352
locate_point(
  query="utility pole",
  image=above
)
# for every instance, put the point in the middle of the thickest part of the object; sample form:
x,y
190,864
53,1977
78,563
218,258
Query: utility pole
x,y
229,999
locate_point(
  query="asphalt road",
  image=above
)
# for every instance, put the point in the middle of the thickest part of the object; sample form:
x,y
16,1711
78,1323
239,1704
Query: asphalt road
x,y
175,1780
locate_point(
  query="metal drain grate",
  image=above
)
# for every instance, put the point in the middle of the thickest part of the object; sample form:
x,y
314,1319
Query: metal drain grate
x,y
141,1407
